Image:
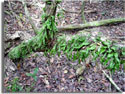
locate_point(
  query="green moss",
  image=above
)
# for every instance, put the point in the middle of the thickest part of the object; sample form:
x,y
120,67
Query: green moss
x,y
38,42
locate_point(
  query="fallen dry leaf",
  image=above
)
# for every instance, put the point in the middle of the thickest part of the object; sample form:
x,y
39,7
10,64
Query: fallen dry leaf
x,y
80,70
46,81
52,60
65,71
71,76
89,80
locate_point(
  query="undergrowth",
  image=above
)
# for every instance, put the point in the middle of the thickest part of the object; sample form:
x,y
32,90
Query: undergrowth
x,y
79,48
14,86
38,42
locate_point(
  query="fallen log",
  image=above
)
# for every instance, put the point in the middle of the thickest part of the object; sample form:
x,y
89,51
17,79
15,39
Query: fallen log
x,y
27,47
91,24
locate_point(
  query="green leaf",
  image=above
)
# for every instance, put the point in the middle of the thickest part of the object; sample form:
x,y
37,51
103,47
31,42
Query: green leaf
x,y
9,87
74,57
117,66
110,55
111,65
85,43
99,48
59,1
106,61
77,54
59,53
123,53
102,50
35,71
94,55
81,45
15,80
29,74
79,60
98,38
35,78
21,15
14,88
83,54
103,13
113,48
116,57
20,88
109,51
106,43
103,58
92,47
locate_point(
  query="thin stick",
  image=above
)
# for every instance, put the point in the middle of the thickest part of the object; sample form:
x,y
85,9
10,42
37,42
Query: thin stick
x,y
110,79
29,18
11,10
83,15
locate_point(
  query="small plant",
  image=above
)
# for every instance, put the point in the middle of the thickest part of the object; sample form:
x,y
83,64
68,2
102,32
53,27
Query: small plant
x,y
14,85
30,88
33,75
104,50
60,14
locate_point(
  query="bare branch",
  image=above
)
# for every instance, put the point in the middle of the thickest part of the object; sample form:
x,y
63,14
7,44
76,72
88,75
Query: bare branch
x,y
29,18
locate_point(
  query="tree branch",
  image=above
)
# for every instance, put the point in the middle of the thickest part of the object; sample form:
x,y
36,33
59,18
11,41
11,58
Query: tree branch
x,y
110,79
91,24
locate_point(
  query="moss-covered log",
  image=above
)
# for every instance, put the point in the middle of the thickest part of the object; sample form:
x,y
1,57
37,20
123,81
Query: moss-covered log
x,y
43,39
92,24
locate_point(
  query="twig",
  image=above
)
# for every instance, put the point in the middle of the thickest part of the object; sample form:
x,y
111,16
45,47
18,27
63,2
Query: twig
x,y
78,12
82,12
70,11
110,79
29,18
13,13
90,11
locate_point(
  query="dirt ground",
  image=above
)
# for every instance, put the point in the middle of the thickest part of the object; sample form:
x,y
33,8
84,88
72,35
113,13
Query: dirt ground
x,y
57,74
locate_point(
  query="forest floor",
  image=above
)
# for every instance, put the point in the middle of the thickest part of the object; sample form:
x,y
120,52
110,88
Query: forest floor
x,y
57,74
